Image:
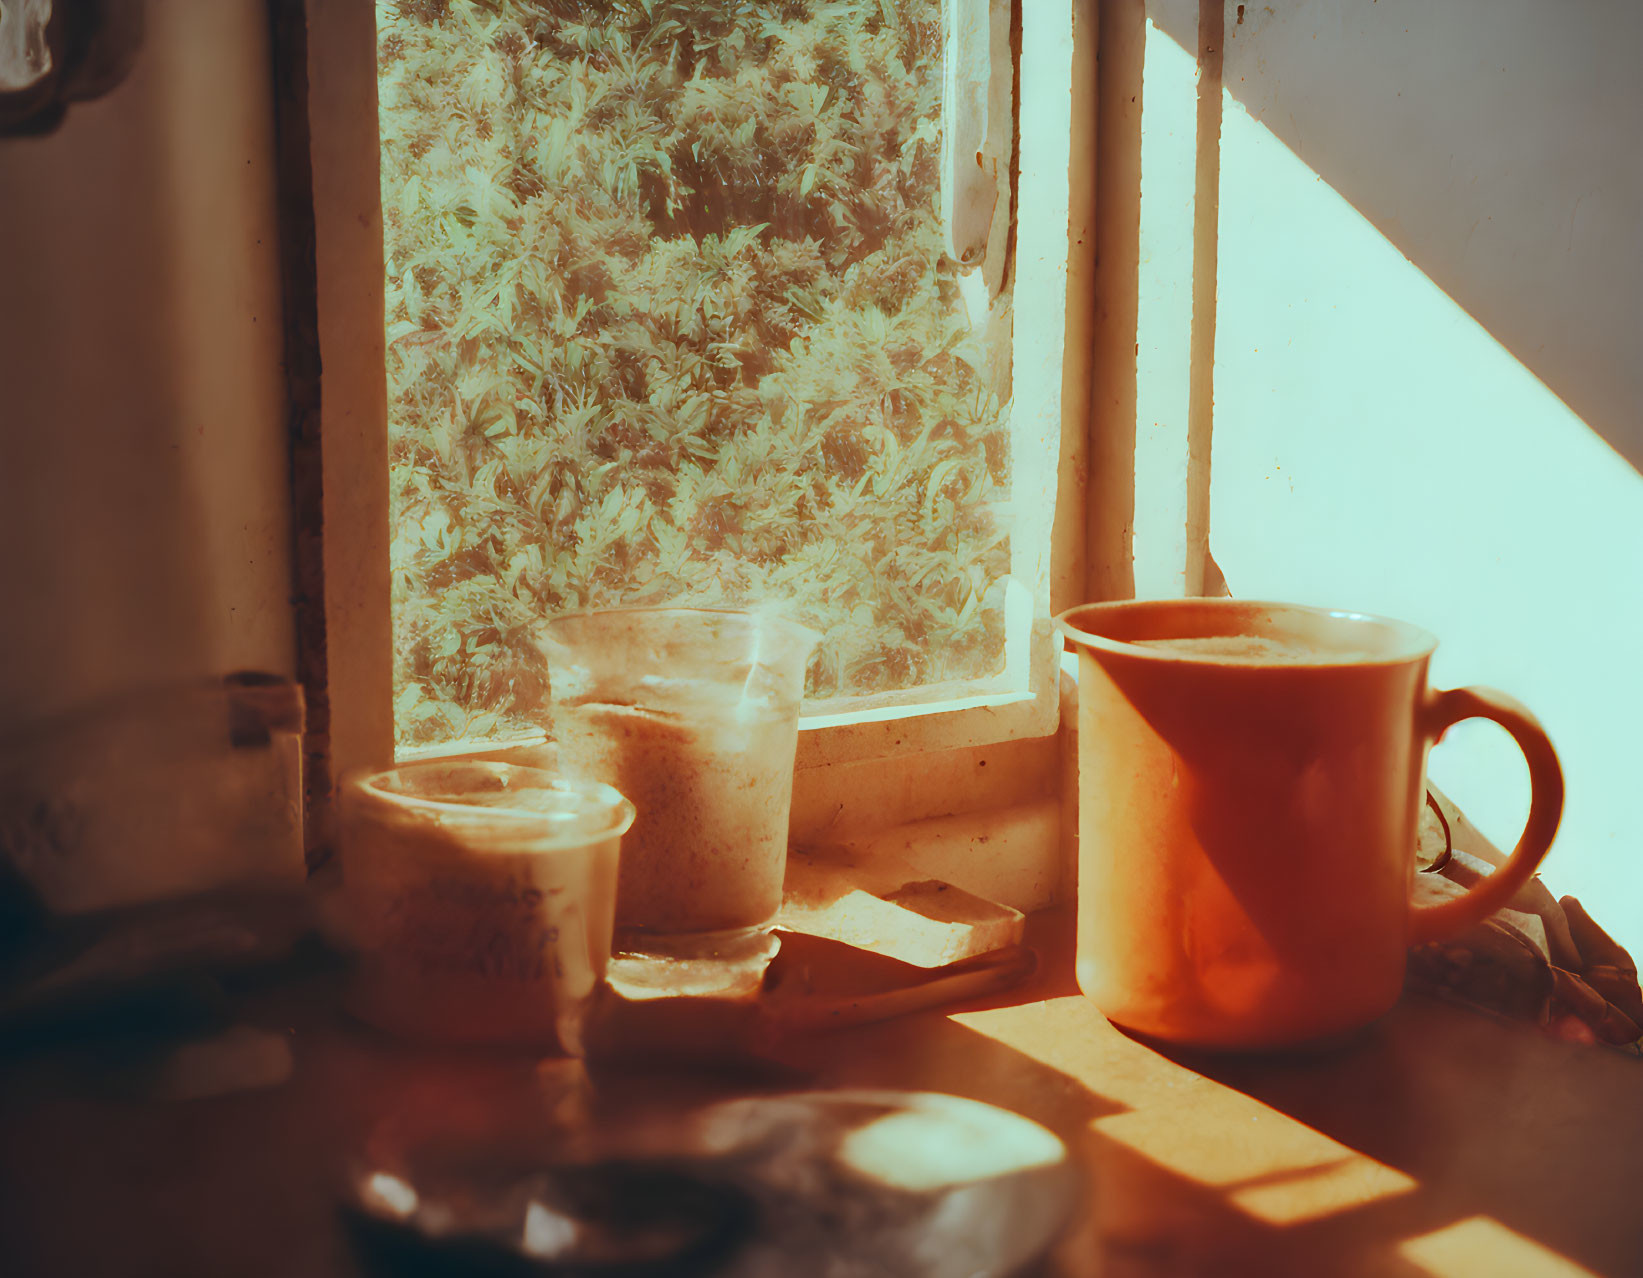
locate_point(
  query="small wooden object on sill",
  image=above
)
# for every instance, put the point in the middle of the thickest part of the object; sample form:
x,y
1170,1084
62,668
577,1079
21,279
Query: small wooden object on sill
x,y
861,943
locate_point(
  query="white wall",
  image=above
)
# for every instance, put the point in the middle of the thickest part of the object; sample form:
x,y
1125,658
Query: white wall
x,y
143,474
1494,142
1429,223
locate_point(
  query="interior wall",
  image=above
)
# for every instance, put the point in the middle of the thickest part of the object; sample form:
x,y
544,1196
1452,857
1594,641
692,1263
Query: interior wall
x,y
1429,297
144,480
1493,141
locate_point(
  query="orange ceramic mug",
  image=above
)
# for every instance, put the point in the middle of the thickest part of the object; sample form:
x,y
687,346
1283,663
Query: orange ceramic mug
x,y
1250,779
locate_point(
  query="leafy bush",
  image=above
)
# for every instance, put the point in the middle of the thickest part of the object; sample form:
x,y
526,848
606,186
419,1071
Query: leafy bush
x,y
669,318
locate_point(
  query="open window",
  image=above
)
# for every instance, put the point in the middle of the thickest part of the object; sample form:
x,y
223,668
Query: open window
x,y
720,303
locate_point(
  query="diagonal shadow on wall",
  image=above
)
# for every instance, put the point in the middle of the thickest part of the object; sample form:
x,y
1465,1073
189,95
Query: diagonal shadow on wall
x,y
1491,142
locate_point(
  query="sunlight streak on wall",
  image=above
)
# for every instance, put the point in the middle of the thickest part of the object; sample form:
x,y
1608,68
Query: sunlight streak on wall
x,y
1164,315
1376,448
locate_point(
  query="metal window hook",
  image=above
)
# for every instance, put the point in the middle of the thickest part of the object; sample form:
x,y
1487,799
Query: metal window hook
x,y
54,52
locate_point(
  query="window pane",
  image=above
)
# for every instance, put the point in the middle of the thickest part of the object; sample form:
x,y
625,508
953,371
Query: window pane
x,y
671,317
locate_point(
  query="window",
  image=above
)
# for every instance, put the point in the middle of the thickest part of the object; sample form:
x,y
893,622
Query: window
x,y
779,289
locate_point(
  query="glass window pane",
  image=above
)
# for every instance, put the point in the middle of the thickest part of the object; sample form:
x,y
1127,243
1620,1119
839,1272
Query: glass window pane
x,y
671,316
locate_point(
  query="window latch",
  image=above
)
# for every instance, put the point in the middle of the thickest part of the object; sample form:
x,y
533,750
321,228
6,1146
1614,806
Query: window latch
x,y
969,174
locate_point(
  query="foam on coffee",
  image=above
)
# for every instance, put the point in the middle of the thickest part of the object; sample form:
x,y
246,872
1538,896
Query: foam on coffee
x,y
1259,650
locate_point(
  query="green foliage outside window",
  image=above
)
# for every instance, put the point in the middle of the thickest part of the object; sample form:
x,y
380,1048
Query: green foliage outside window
x,y
669,319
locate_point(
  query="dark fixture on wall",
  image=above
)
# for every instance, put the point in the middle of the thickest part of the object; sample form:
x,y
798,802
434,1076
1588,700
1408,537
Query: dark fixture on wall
x,y
54,52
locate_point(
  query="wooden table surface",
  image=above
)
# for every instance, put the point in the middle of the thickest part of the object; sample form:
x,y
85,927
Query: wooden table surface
x,y
1439,1142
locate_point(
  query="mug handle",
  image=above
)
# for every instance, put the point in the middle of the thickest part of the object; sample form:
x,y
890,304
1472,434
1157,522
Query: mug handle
x,y
1444,710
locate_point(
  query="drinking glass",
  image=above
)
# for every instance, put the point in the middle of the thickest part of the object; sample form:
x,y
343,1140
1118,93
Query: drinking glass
x,y
693,714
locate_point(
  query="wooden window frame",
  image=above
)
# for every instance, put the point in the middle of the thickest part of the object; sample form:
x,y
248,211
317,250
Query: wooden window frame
x,y
979,769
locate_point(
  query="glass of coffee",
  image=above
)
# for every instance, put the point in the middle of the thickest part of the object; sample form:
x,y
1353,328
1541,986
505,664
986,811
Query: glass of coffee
x,y
692,713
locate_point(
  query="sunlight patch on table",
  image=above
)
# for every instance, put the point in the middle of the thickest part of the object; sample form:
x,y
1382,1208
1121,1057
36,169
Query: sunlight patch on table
x,y
1314,1192
1481,1245
1270,1166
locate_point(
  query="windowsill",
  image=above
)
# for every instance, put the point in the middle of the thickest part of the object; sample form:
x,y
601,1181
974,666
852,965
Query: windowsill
x,y
997,820
859,727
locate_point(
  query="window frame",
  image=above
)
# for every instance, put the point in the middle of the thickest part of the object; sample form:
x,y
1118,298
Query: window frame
x,y
923,764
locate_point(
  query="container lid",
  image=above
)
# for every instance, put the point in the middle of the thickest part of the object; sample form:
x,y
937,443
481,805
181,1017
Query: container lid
x,y
497,798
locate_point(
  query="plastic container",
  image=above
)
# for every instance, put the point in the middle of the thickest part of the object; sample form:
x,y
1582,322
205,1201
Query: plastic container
x,y
479,898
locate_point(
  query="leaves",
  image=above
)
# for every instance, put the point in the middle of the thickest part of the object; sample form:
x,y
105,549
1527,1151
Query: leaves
x,y
669,318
